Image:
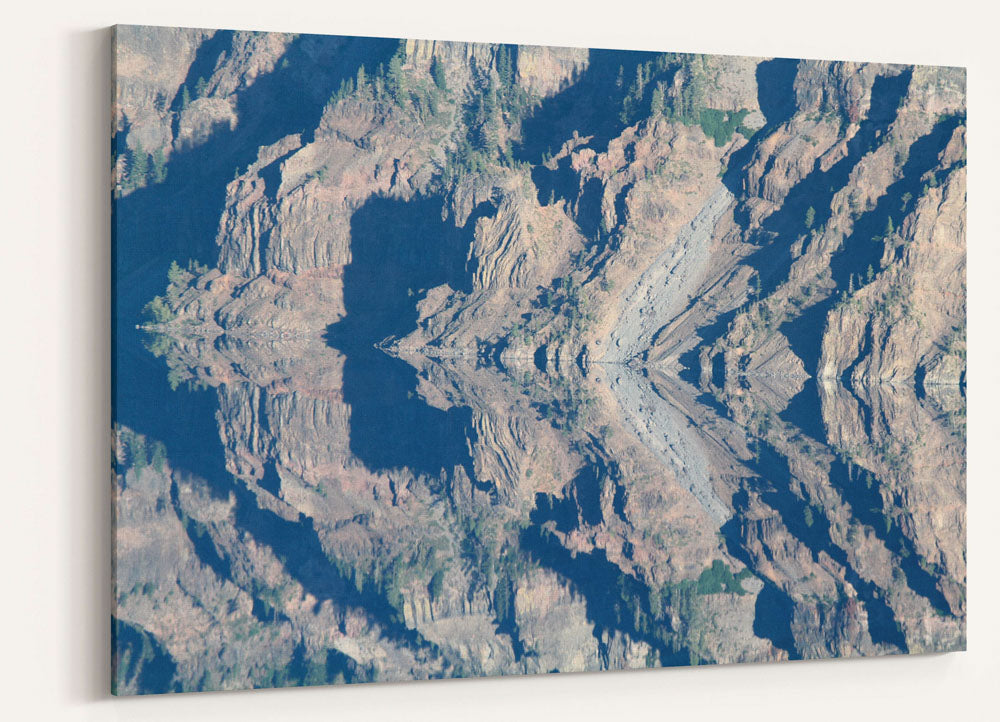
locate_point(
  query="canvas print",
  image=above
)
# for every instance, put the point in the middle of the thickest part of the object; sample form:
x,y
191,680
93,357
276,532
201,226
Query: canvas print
x,y
443,359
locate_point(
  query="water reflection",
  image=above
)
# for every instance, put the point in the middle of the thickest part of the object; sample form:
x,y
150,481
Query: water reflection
x,y
397,518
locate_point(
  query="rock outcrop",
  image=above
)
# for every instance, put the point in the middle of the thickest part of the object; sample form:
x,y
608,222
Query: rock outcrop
x,y
514,360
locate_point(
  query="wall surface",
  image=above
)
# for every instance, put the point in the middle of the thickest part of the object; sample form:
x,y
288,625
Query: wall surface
x,y
55,253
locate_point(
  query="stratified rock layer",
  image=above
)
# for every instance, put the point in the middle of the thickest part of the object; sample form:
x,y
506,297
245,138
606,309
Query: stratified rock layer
x,y
530,359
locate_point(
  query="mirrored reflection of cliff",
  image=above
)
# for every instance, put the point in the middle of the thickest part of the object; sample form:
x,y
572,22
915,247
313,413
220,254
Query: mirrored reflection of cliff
x,y
427,517
481,378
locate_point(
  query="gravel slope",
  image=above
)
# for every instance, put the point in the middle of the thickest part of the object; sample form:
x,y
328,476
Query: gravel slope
x,y
660,293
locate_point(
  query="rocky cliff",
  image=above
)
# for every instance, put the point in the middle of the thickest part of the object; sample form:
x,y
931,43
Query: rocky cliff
x,y
521,359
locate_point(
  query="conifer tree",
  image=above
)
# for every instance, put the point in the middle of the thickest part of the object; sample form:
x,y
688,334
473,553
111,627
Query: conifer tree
x,y
656,103
396,79
345,90
505,69
175,273
437,72
185,98
159,166
140,166
159,456
135,450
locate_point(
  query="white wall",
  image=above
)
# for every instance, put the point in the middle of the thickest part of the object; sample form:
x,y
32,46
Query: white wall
x,y
53,403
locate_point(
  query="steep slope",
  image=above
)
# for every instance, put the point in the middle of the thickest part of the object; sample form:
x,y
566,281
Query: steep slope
x,y
521,359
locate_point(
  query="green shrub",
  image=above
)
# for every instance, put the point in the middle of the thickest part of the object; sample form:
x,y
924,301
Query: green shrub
x,y
719,578
158,311
436,586
719,125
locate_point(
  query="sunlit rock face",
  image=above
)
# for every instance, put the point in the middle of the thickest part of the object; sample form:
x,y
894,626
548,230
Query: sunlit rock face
x,y
443,359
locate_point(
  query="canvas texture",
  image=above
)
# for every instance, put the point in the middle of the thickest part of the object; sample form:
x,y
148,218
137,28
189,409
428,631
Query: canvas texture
x,y
442,359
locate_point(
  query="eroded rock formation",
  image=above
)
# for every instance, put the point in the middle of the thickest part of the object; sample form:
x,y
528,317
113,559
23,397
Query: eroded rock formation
x,y
508,360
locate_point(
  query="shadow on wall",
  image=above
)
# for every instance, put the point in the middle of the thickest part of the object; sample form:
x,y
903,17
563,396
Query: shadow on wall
x,y
573,111
178,219
400,250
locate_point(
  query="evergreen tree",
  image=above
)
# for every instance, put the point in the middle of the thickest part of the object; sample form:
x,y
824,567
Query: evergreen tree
x,y
121,170
689,102
656,103
159,166
200,87
437,72
362,81
158,311
436,585
185,98
140,166
346,89
175,273
490,99
159,456
396,79
135,450
505,69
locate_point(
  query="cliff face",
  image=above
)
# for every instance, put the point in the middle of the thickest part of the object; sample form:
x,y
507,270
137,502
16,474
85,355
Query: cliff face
x,y
151,65
175,87
365,147
894,179
517,359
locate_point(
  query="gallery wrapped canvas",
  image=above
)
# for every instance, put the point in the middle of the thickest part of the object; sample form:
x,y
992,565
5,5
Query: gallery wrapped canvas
x,y
443,359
